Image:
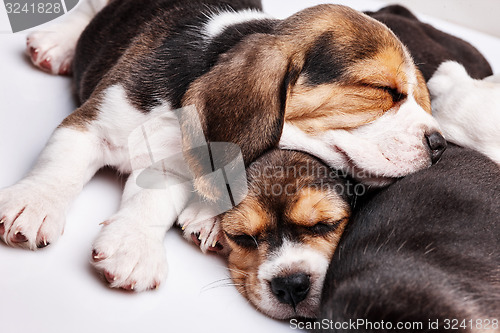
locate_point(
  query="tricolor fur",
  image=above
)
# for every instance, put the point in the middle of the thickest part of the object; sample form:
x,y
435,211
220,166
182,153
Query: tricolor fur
x,y
328,81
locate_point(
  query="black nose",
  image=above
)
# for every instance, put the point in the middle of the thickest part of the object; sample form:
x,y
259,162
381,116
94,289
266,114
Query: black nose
x,y
437,145
291,289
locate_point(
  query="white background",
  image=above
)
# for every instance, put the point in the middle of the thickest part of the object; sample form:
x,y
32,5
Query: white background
x,y
56,289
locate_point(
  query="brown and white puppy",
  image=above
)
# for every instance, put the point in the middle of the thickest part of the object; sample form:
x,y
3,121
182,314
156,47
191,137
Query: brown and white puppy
x,y
328,80
282,236
348,88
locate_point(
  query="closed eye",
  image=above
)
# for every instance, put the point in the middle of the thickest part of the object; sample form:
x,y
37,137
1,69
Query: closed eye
x,y
396,95
244,240
324,227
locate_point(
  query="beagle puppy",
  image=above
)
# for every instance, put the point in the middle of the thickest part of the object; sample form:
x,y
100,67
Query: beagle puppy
x,y
328,81
467,109
421,255
281,237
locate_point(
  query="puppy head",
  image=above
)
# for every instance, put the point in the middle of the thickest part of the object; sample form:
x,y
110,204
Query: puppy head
x,y
282,236
359,102
341,85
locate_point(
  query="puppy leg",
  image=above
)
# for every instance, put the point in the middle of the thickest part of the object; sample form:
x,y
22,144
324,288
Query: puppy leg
x,y
32,212
129,249
52,49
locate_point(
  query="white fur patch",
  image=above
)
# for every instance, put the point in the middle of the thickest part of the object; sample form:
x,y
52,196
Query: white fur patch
x,y
291,258
129,247
468,110
36,205
219,21
392,146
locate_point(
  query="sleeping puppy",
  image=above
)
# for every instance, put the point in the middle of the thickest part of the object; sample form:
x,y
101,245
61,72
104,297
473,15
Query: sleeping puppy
x,y
327,80
424,250
467,109
282,236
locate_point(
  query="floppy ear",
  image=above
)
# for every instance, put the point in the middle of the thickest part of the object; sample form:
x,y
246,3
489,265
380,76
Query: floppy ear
x,y
241,100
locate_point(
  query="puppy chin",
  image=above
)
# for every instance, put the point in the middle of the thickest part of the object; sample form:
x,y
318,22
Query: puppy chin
x,y
381,164
274,309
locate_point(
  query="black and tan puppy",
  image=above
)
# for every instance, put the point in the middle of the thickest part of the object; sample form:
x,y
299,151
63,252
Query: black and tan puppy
x,y
425,250
282,236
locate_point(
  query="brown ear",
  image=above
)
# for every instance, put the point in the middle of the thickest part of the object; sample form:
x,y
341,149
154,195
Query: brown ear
x,y
241,101
422,95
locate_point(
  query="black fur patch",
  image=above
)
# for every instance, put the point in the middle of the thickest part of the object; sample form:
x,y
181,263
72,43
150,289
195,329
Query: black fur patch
x,y
324,64
164,72
430,47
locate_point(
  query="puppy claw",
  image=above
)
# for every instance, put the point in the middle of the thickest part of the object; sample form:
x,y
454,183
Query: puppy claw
x,y
196,238
129,287
96,256
19,237
109,277
43,244
216,248
34,53
45,64
107,222
64,70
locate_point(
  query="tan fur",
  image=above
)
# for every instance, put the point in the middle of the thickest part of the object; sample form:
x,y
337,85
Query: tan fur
x,y
249,218
315,206
83,116
422,95
335,106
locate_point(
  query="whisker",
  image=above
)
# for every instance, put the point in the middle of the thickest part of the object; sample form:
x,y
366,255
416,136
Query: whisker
x,y
217,281
239,270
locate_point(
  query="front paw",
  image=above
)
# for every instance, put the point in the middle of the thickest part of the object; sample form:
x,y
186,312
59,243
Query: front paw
x,y
52,51
128,258
30,217
201,225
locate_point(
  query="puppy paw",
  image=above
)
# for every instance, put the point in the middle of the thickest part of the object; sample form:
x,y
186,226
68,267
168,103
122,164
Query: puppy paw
x,y
52,51
203,228
29,217
128,258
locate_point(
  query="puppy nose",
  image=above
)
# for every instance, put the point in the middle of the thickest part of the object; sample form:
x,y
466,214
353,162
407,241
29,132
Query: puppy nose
x,y
291,289
437,145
